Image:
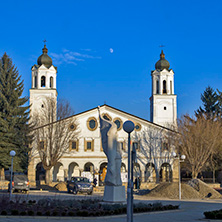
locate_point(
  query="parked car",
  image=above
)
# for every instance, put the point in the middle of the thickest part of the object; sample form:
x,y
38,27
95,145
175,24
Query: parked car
x,y
20,182
79,185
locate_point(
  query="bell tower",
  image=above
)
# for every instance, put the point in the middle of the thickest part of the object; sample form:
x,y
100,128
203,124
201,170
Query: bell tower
x,y
43,82
163,102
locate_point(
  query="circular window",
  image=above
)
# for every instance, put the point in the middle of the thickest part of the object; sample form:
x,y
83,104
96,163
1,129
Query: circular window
x,y
137,127
72,126
119,123
92,123
107,116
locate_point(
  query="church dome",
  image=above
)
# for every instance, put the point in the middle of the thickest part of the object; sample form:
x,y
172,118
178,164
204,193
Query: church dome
x,y
44,59
162,63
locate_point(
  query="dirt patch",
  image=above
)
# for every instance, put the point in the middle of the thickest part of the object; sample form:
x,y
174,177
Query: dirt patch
x,y
194,190
61,186
204,190
46,187
171,191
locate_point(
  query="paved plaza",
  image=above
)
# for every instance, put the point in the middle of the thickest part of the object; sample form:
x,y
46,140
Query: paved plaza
x,y
190,210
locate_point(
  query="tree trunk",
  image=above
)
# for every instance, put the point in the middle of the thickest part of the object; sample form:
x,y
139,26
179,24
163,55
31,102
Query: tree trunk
x,y
2,174
213,175
194,174
48,178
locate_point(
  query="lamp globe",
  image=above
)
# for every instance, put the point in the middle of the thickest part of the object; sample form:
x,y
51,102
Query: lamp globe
x,y
128,126
12,153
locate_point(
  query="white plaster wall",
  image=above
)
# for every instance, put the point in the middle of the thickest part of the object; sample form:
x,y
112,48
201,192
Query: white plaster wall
x,y
158,101
161,116
148,153
38,94
161,76
43,71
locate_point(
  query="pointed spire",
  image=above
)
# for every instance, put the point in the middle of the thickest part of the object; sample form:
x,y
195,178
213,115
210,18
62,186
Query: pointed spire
x,y
45,50
162,55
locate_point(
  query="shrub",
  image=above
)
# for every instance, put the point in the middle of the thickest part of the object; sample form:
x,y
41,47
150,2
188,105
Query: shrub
x,y
4,212
216,214
71,213
81,208
30,213
14,212
210,215
219,215
96,213
54,213
39,213
157,205
47,213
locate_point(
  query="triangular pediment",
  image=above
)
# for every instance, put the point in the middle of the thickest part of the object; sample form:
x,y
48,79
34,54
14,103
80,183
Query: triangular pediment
x,y
115,113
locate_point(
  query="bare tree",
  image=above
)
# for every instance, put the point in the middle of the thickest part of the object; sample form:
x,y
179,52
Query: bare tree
x,y
198,140
53,132
156,149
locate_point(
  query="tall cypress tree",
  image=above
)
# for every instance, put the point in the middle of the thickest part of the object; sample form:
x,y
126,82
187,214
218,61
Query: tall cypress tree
x,y
14,116
210,104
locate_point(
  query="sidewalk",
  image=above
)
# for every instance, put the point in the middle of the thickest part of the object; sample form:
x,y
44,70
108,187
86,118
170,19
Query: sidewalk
x,y
191,211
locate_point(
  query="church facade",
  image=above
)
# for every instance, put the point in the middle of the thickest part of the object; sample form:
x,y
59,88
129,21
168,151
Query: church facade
x,y
85,156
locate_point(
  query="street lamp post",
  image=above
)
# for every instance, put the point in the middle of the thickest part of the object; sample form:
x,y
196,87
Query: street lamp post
x,y
12,154
180,159
128,127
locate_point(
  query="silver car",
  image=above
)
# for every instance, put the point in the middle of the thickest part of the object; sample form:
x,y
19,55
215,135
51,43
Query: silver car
x,y
20,182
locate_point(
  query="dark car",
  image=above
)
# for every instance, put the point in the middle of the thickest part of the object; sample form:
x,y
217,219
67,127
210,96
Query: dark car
x,y
20,182
79,185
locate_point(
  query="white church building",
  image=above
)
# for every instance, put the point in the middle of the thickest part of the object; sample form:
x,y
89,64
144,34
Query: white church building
x,y
85,156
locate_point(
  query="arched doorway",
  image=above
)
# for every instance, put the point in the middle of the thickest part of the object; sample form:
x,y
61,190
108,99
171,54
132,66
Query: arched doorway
x,y
58,172
73,170
165,173
136,170
150,173
39,173
89,167
88,171
137,175
102,173
123,168
124,174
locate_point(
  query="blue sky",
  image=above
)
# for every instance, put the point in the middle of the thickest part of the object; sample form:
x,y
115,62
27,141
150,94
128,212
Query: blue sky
x,y
80,34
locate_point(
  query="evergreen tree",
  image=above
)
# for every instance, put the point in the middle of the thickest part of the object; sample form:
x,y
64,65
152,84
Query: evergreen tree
x,y
210,104
219,96
14,116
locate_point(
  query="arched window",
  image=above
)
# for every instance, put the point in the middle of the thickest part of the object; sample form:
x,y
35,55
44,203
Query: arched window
x,y
164,86
157,87
43,81
35,83
51,82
